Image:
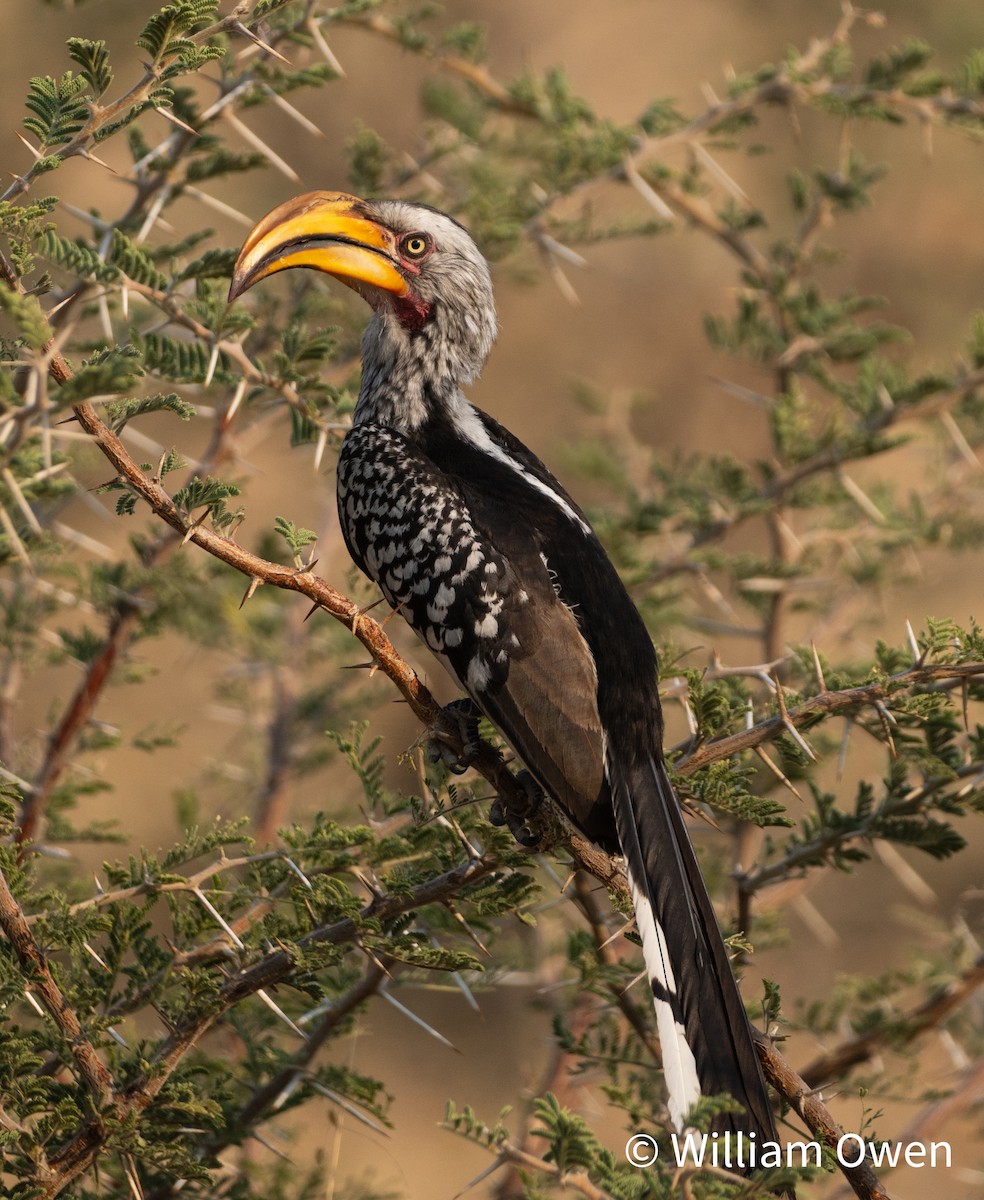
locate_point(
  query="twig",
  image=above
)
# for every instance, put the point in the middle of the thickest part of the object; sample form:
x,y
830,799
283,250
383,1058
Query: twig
x,y
476,74
102,115
578,1181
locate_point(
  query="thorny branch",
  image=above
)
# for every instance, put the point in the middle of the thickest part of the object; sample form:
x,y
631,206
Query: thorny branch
x,y
783,483
824,704
807,1104
577,1181
222,945
266,1098
903,1029
101,115
39,979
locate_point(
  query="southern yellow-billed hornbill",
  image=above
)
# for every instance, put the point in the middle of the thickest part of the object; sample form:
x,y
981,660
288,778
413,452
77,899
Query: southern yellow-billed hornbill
x,y
496,569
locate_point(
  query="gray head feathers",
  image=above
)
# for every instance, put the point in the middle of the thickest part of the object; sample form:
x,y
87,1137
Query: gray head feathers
x,y
410,366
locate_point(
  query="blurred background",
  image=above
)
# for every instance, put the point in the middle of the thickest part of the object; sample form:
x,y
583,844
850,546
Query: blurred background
x,y
635,336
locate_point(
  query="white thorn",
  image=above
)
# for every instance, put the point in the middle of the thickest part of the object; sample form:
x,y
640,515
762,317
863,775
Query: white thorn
x,y
37,153
319,450
384,992
719,172
220,206
219,918
236,400
287,1091
104,317
169,116
647,191
153,213
259,42
861,498
20,498
212,361
335,1098
314,28
275,1008
294,113
29,997
562,251
259,144
964,447
89,950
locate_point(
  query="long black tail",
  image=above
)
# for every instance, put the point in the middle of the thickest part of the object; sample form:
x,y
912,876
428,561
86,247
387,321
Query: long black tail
x,y
704,1033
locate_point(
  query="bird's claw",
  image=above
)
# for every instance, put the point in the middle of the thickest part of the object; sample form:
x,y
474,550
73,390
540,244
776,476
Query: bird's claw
x,y
520,822
464,714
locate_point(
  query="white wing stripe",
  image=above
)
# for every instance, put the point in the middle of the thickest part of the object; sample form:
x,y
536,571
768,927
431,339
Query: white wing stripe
x,y
469,427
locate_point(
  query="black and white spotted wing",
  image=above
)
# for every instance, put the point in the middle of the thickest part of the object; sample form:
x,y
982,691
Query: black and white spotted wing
x,y
410,527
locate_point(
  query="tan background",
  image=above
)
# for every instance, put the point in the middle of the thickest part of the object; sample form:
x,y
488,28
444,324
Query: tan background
x,y
636,333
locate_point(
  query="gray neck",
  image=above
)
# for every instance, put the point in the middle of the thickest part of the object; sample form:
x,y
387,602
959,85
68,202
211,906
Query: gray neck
x,y
406,376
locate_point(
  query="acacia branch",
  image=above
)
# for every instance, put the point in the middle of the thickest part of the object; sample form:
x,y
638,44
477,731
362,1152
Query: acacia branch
x,y
102,115
808,1105
151,887
233,349
474,73
896,1031
579,1181
39,979
824,704
831,458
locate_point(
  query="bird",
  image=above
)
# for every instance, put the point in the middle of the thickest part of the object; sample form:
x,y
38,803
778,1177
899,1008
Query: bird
x,y
499,573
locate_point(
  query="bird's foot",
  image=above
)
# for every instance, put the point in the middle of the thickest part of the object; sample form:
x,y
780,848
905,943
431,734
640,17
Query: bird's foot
x,y
464,714
520,820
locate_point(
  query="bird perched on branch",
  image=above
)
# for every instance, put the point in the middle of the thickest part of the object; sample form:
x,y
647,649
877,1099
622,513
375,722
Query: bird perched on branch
x,y
497,570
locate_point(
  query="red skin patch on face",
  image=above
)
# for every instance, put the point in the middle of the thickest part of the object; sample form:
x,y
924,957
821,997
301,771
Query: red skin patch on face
x,y
411,311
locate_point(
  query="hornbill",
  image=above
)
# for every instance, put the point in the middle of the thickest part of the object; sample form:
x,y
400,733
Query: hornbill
x,y
497,570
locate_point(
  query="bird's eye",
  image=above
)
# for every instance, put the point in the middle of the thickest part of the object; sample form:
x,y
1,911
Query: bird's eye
x,y
415,245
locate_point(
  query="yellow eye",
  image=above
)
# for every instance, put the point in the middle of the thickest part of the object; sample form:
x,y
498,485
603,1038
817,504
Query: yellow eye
x,y
415,245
